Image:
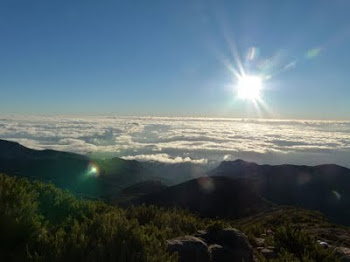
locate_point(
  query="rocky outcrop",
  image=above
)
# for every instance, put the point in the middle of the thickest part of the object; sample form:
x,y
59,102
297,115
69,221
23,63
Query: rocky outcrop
x,y
189,248
222,245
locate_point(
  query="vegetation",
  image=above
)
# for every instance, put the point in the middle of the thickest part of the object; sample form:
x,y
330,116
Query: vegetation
x,y
292,232
42,223
39,222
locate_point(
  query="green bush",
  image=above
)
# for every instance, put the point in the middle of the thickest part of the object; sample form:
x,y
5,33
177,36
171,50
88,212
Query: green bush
x,y
293,240
39,222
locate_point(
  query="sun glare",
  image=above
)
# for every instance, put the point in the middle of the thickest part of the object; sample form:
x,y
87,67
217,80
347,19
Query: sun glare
x,y
249,87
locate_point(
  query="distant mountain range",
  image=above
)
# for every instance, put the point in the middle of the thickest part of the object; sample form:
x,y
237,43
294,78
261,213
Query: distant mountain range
x,y
324,187
72,171
233,189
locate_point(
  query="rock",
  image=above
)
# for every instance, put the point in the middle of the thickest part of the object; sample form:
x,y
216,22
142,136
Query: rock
x,y
227,244
201,232
259,242
228,236
213,247
324,244
344,253
189,248
215,252
220,253
234,244
271,247
268,253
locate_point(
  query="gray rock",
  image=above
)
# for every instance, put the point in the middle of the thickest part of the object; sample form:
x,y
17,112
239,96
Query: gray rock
x,y
235,245
259,242
344,253
213,251
189,248
229,237
201,233
268,253
324,244
220,253
227,244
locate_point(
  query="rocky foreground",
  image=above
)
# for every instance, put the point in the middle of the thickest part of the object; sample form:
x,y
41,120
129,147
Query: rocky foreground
x,y
227,244
230,244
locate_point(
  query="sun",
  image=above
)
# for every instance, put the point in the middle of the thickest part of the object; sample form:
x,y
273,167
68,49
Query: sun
x,y
249,87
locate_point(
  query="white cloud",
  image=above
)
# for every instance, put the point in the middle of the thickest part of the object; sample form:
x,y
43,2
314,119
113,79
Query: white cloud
x,y
175,140
165,158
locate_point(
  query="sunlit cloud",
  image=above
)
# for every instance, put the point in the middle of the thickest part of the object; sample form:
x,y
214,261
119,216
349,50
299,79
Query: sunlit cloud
x,y
193,140
165,158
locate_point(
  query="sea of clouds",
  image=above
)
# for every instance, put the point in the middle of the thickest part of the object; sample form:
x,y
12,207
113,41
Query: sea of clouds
x,y
179,139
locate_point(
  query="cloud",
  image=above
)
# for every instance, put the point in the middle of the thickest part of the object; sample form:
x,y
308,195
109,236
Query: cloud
x,y
177,139
165,158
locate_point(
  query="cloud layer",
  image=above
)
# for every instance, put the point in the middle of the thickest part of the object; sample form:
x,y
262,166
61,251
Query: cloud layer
x,y
175,140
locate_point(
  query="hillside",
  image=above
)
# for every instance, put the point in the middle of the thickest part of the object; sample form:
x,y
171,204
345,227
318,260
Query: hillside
x,y
39,222
95,178
324,188
210,197
129,194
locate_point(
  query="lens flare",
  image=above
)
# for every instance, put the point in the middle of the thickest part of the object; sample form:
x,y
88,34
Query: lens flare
x,y
313,53
93,170
336,194
206,183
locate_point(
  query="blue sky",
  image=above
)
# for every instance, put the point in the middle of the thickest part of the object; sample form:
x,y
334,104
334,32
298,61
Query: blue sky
x,y
167,57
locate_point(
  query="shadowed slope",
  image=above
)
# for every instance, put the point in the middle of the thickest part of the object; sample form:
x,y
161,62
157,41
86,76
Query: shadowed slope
x,y
210,197
324,187
102,178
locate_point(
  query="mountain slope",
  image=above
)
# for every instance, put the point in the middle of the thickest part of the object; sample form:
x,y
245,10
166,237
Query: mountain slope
x,y
94,178
325,187
210,197
102,178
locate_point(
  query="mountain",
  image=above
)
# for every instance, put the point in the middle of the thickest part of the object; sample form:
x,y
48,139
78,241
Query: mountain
x,y
137,190
325,187
210,197
97,178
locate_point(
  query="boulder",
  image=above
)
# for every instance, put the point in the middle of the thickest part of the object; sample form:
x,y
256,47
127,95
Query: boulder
x,y
234,243
344,253
220,253
227,244
268,253
189,248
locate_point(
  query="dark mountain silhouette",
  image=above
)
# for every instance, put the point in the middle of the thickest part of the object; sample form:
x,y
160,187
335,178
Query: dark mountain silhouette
x,y
325,187
72,171
145,187
132,192
210,197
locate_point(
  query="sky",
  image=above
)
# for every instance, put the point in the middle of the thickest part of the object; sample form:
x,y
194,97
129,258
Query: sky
x,y
175,58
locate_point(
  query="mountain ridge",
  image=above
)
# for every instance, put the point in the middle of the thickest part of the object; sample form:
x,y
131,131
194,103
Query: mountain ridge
x,y
323,187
